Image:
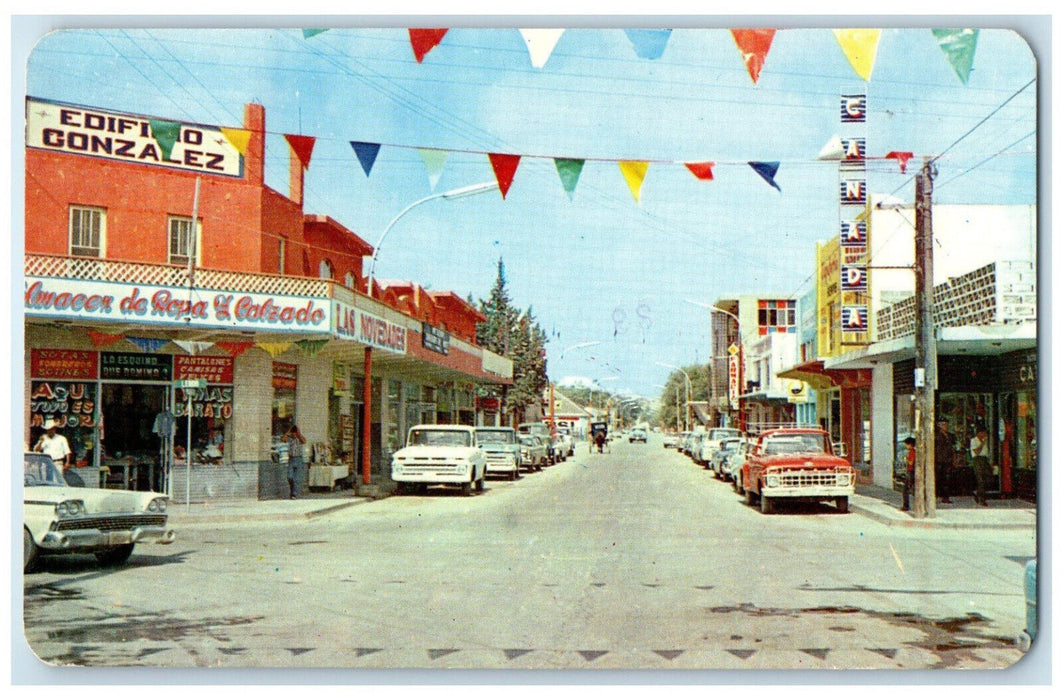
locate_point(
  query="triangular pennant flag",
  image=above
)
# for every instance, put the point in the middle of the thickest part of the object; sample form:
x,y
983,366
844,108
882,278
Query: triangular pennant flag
x,y
274,349
234,348
833,150
424,40
366,153
193,347
767,171
307,33
311,347
958,45
147,344
433,160
702,171
505,166
902,157
103,340
303,146
648,43
165,134
541,43
753,45
239,138
859,46
569,169
634,172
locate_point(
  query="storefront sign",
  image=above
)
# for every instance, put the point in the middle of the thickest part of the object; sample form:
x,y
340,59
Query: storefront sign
x,y
73,404
367,329
210,402
213,369
435,339
136,366
285,375
732,380
64,364
172,306
129,138
489,404
853,235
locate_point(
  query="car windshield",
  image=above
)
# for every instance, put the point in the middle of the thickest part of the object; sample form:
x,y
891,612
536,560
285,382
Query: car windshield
x,y
528,441
488,436
41,471
794,444
721,433
440,438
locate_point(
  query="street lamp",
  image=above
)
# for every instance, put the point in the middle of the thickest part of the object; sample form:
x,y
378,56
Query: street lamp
x,y
741,357
367,390
686,417
588,344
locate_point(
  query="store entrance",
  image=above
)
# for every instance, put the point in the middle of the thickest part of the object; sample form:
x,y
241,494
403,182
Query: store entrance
x,y
130,453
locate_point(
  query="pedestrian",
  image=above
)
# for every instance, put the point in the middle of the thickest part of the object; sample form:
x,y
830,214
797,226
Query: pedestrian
x,y
980,463
55,445
909,471
944,460
296,464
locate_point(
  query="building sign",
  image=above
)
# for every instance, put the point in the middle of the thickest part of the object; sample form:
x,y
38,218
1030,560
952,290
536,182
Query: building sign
x,y
172,306
488,404
135,366
64,364
129,138
73,404
354,324
285,375
854,278
213,369
854,319
211,401
853,108
853,247
733,390
435,339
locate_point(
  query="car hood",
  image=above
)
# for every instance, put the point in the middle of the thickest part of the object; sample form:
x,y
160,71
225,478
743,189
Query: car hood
x,y
498,447
95,500
428,451
806,461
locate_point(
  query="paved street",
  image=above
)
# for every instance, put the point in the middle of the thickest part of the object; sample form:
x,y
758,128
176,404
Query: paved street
x,y
637,559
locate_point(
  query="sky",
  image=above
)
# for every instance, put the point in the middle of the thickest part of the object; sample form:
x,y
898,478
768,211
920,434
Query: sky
x,y
597,267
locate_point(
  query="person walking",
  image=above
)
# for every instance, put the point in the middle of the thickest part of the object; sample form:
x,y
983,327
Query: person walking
x,y
980,463
944,461
296,464
909,472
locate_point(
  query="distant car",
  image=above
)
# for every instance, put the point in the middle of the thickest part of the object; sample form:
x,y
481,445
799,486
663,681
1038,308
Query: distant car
x,y
694,449
727,447
637,435
568,443
501,450
532,452
440,455
686,441
62,519
542,430
671,440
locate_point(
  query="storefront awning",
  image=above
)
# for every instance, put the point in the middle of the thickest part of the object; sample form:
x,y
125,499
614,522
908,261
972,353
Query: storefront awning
x,y
820,378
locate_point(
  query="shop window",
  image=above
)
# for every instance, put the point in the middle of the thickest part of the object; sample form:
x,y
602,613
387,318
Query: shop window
x,y
283,411
182,245
87,227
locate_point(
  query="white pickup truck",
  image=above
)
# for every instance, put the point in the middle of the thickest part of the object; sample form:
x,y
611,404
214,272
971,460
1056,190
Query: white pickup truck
x,y
440,455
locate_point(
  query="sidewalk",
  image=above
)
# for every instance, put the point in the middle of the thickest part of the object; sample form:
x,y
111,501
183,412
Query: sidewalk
x,y
874,502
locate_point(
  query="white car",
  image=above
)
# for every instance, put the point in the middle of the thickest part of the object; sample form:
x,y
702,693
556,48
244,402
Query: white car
x,y
710,443
63,519
501,450
568,443
440,455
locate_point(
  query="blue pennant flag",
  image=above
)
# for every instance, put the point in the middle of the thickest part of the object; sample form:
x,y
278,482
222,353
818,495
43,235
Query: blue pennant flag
x,y
366,153
147,344
649,43
767,171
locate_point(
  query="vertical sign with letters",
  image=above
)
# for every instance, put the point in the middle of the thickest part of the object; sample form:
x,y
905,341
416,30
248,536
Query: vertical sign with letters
x,y
854,217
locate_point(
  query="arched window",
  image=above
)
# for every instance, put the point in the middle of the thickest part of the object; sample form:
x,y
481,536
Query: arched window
x,y
324,270
350,281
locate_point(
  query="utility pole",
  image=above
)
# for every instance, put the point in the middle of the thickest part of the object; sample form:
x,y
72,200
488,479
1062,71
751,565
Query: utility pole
x,y
925,500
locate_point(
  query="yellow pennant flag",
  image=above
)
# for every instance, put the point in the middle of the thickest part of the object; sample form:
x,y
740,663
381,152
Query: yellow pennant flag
x,y
859,46
239,138
274,349
634,172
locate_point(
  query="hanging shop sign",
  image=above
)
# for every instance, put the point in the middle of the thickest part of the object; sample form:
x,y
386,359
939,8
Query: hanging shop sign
x,y
354,324
212,369
435,339
130,138
135,366
146,304
733,390
64,364
853,250
71,403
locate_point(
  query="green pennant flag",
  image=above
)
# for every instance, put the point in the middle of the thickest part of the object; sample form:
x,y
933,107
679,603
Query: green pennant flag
x,y
569,169
311,347
165,134
307,33
958,45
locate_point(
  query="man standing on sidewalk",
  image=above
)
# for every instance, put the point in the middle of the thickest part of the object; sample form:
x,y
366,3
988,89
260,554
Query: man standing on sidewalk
x,y
944,460
909,472
980,462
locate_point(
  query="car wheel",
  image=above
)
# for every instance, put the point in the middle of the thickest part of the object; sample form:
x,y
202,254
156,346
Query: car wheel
x,y
766,505
114,556
480,484
737,485
29,551
750,497
842,503
466,488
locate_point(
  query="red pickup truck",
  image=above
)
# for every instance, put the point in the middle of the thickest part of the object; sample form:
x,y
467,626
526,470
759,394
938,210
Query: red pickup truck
x,y
796,464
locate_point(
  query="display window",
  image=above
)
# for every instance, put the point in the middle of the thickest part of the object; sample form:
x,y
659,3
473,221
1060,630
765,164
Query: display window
x,y
285,381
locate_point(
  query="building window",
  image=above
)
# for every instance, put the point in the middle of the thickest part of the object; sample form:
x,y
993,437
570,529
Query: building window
x,y
282,246
349,281
777,316
181,243
87,231
324,270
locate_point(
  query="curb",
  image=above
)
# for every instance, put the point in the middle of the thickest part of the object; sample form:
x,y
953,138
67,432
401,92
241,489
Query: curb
x,y
901,520
183,520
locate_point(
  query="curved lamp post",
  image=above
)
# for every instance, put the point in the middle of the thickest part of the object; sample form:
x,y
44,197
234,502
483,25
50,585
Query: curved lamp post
x,y
686,416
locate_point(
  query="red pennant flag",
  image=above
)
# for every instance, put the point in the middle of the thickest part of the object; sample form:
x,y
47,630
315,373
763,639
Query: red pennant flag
x,y
103,340
424,40
234,348
902,157
504,166
303,147
754,45
702,171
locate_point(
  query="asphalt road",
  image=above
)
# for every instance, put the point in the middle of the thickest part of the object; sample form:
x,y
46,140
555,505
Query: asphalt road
x,y
636,559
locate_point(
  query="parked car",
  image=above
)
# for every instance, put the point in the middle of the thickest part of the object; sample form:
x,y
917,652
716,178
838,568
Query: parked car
x,y
796,464
671,440
501,450
532,452
637,435
542,430
695,446
62,519
440,455
726,448
568,443
686,442
732,466
711,442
